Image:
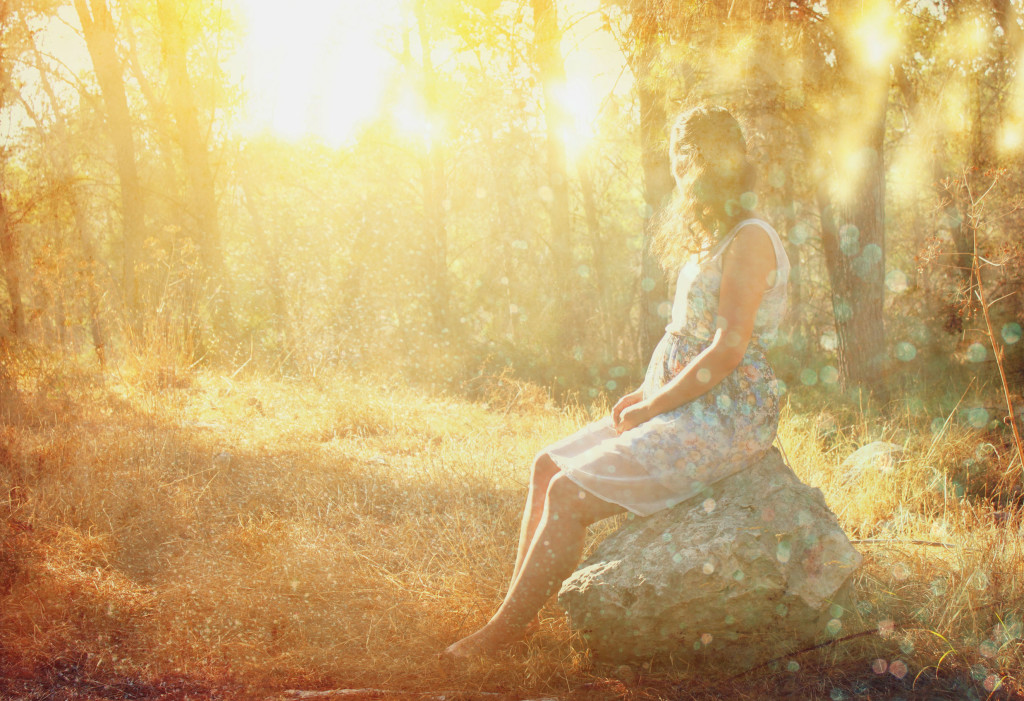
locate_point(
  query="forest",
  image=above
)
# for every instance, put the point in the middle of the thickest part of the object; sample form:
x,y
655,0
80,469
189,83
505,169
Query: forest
x,y
293,292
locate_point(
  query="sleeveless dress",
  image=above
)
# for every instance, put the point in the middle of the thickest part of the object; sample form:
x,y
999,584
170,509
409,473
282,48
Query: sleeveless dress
x,y
678,454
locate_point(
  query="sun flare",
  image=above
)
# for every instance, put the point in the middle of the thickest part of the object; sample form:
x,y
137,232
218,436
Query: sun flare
x,y
412,118
322,69
879,35
581,108
318,69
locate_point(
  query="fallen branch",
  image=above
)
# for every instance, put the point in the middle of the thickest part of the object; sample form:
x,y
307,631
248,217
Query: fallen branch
x,y
795,653
875,541
398,694
845,638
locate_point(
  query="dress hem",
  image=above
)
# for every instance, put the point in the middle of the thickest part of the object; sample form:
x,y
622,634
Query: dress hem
x,y
565,471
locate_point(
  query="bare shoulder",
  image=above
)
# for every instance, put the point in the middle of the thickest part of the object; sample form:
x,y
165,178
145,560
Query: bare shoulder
x,y
751,256
752,243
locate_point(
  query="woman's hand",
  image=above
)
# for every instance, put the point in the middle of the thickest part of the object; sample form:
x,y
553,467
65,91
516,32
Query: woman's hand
x,y
624,403
633,416
631,411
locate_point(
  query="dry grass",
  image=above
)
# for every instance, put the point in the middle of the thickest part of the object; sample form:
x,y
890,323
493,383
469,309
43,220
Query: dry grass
x,y
263,534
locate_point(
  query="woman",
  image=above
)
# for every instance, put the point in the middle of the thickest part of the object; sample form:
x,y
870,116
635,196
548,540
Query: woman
x,y
708,406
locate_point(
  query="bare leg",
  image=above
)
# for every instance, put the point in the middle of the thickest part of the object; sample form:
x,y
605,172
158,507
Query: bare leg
x,y
544,469
553,553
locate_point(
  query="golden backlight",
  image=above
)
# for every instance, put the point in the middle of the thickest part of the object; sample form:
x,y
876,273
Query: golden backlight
x,y
321,68
315,67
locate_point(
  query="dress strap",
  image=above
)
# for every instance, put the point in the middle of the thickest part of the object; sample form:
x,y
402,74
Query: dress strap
x,y
727,239
722,244
781,258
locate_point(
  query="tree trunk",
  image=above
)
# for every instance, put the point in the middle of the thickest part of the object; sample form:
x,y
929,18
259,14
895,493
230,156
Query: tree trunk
x,y
551,68
63,167
499,225
853,236
658,181
435,189
99,338
1010,58
270,252
12,270
195,154
962,225
11,407
98,28
798,316
8,240
155,104
853,226
598,252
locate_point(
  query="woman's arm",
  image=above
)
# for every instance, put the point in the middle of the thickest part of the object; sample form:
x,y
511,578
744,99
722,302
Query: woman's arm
x,y
747,272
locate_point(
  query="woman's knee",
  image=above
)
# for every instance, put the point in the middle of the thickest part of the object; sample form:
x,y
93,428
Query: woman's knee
x,y
544,470
568,502
563,497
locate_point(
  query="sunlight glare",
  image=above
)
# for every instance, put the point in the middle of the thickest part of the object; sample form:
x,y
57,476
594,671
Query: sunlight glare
x,y
878,34
410,116
974,37
594,69
581,107
906,176
1011,139
316,68
955,107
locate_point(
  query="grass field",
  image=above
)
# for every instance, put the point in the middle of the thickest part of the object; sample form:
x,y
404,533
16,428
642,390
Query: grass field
x,y
173,535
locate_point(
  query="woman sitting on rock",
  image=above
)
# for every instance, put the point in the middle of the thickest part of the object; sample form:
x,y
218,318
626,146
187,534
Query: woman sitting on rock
x,y
708,406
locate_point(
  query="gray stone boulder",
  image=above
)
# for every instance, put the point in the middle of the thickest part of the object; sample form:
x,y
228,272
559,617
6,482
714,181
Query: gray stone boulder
x,y
753,568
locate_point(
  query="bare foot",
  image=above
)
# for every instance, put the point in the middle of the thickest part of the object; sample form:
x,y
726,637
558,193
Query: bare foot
x,y
486,641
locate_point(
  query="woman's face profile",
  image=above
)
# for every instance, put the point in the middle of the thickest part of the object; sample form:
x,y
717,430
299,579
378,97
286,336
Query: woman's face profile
x,y
685,157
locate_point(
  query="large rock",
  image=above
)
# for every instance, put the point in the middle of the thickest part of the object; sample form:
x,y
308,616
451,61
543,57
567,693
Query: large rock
x,y
753,568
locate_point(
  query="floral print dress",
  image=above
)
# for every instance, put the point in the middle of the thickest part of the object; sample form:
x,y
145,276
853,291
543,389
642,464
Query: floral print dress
x,y
678,454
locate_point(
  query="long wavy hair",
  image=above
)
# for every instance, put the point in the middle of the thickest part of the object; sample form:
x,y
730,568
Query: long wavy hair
x,y
714,184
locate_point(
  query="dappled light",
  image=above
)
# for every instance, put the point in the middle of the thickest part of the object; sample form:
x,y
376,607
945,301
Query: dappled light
x,y
293,295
